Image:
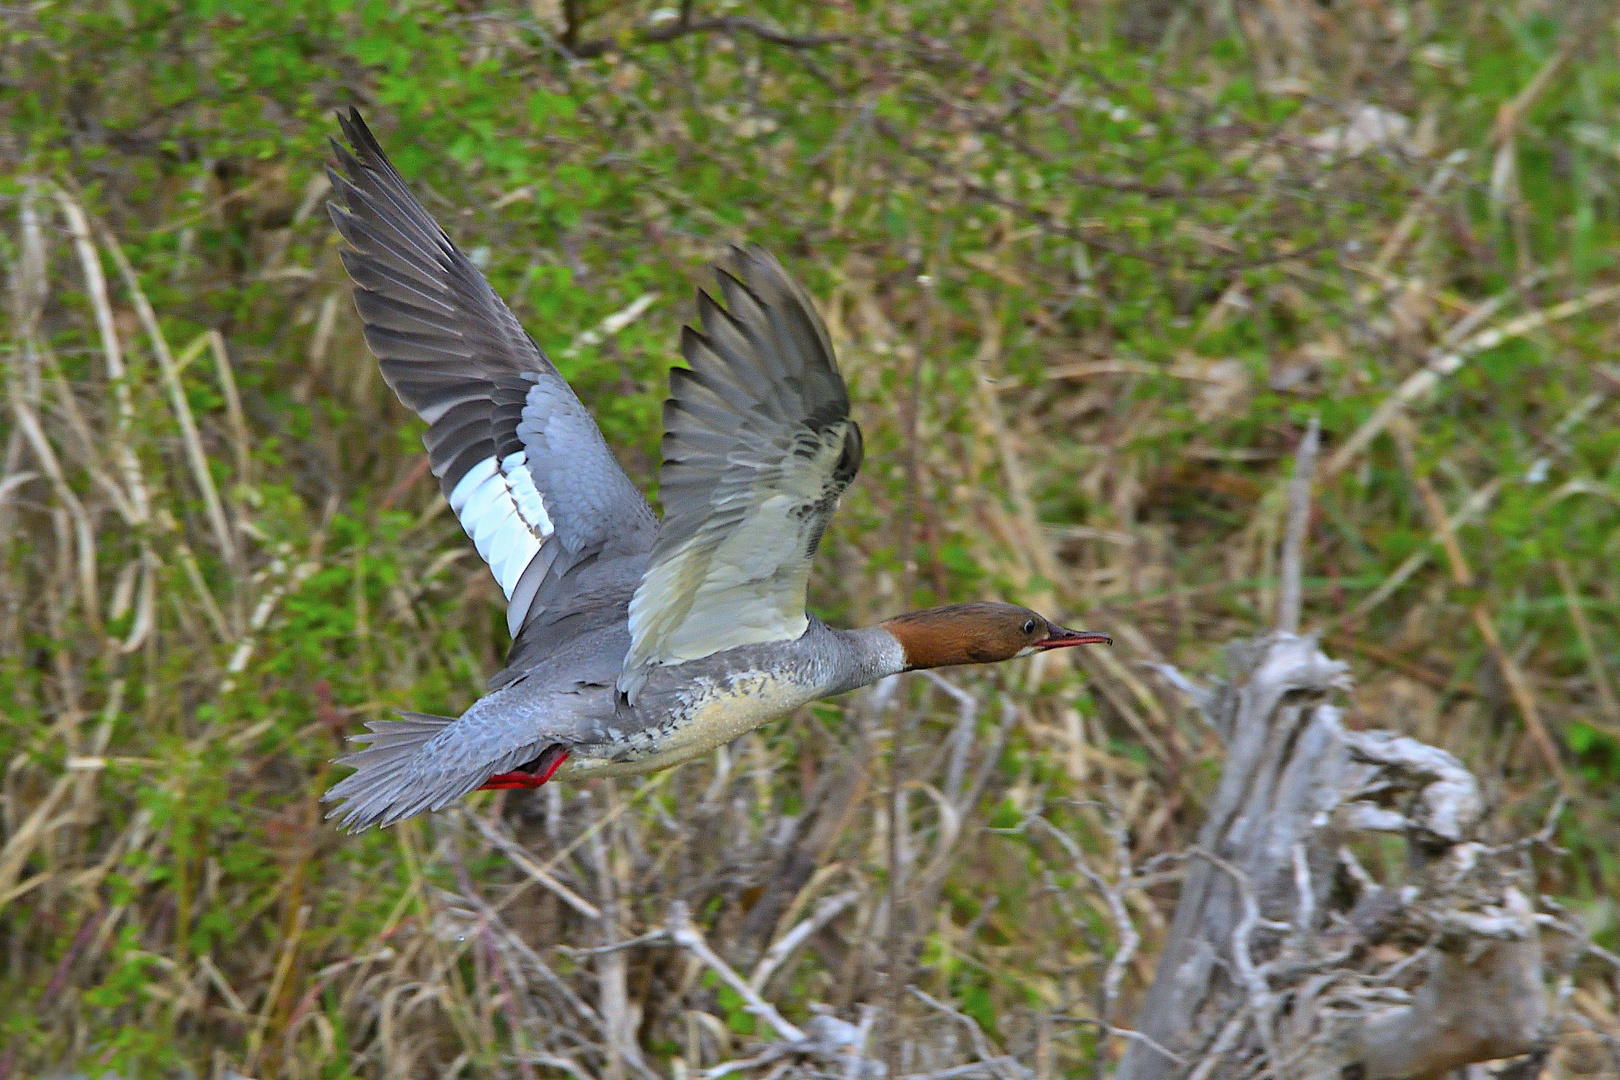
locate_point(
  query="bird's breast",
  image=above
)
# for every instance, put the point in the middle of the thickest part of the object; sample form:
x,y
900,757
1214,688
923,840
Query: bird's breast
x,y
682,722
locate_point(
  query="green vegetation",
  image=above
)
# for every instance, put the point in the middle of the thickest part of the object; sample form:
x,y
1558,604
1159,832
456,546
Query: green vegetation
x,y
1091,269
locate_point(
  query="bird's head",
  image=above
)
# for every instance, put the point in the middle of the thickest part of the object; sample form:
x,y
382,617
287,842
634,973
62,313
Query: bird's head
x,y
980,633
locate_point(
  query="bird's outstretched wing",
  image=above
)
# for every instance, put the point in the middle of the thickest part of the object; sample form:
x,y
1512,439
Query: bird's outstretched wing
x,y
758,447
523,464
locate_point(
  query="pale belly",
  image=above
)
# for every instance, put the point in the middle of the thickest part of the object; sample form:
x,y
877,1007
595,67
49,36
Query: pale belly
x,y
746,703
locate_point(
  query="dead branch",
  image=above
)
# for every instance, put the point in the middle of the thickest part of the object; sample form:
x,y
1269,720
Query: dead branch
x,y
685,25
1269,963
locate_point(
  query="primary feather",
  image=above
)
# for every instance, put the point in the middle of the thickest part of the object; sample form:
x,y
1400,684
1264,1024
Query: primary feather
x,y
758,447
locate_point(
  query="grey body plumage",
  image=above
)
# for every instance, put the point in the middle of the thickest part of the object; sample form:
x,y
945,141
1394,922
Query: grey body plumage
x,y
569,699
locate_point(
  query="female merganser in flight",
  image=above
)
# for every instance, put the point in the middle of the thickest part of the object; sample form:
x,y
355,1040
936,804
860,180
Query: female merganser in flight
x,y
636,644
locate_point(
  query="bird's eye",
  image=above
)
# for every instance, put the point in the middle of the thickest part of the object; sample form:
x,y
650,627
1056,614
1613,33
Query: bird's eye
x,y
1029,626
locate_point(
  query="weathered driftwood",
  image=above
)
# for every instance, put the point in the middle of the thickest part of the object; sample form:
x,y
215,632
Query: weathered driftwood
x,y
1266,957
1285,957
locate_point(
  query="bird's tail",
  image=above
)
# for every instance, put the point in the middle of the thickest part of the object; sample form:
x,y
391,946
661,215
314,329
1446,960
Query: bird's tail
x,y
382,767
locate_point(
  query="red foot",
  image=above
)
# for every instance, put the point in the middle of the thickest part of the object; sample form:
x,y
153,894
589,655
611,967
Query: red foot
x,y
508,781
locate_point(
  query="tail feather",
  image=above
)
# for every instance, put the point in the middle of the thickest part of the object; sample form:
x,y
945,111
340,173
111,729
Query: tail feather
x,y
393,740
394,779
380,791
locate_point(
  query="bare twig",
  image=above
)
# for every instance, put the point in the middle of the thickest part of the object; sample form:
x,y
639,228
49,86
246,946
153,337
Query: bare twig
x,y
1126,1033
1299,520
981,1045
997,1067
1114,896
1249,973
826,911
498,836
684,25
682,932
1228,1037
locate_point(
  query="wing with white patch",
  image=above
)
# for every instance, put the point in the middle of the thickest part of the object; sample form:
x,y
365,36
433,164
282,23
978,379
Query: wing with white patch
x,y
522,463
758,447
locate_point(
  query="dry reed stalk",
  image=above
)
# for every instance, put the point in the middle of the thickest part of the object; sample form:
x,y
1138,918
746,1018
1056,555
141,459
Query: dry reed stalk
x,y
189,435
85,564
1471,510
1594,657
1445,363
117,376
1462,576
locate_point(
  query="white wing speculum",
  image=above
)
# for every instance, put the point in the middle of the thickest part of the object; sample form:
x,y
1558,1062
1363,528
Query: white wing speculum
x,y
504,514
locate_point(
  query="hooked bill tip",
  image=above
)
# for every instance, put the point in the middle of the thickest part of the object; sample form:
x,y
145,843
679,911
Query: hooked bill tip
x,y
1062,637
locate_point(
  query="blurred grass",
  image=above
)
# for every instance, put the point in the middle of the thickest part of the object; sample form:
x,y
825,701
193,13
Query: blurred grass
x,y
1090,267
